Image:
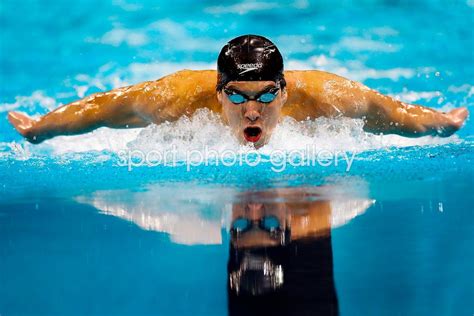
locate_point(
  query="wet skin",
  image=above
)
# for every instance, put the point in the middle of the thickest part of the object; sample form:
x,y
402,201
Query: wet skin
x,y
309,94
252,113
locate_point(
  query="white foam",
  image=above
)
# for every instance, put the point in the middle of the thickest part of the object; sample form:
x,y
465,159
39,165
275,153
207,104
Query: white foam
x,y
101,139
205,132
14,150
339,134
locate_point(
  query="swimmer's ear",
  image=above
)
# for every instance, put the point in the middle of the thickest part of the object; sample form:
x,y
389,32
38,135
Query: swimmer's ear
x,y
219,96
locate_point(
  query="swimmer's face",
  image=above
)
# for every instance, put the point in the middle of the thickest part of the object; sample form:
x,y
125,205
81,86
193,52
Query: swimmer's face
x,y
252,120
257,235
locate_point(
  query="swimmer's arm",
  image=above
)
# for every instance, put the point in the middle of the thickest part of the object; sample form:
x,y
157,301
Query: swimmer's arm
x,y
387,115
115,109
139,105
384,114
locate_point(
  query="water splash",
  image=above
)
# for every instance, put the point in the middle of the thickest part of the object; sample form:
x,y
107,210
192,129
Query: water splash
x,y
205,130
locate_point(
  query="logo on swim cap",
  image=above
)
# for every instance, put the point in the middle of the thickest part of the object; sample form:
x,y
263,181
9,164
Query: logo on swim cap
x,y
249,58
248,67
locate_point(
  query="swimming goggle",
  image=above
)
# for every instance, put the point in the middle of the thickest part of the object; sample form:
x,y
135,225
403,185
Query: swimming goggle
x,y
263,97
269,223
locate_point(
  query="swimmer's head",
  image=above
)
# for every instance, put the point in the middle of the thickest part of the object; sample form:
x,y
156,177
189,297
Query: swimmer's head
x,y
249,58
251,87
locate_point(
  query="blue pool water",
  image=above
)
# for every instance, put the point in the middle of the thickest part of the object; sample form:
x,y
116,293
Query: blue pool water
x,y
82,235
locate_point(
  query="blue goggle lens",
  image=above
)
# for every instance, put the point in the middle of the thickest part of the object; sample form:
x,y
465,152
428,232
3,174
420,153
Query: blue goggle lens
x,y
267,97
237,98
270,223
240,224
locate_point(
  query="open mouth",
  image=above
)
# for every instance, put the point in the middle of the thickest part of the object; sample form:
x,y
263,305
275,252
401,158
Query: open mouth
x,y
252,134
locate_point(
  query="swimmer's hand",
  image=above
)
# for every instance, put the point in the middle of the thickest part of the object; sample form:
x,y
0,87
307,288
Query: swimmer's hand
x,y
25,126
455,120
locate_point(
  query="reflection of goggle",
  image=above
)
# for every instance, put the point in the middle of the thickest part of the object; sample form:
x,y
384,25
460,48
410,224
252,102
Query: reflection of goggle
x,y
263,97
269,223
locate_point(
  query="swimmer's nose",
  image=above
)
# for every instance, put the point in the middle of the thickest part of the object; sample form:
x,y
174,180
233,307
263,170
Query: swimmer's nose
x,y
252,112
252,116
254,210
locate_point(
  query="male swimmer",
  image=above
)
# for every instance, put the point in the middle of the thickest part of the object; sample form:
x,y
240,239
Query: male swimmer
x,y
252,94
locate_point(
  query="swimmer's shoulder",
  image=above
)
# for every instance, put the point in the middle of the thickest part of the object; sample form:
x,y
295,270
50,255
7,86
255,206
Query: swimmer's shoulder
x,y
180,93
198,88
314,93
207,77
301,79
307,96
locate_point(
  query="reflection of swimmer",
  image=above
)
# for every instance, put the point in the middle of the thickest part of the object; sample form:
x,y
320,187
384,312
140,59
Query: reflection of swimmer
x,y
280,259
280,251
253,93
168,209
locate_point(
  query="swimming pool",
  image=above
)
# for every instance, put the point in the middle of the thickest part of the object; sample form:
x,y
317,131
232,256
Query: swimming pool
x,y
81,234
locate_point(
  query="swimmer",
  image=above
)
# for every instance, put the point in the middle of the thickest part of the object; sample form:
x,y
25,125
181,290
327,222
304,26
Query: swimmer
x,y
252,93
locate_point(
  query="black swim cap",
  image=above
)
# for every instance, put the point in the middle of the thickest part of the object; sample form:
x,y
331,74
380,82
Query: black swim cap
x,y
249,58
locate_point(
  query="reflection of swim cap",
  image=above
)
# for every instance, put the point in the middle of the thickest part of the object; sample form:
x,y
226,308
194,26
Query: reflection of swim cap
x,y
257,271
249,58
